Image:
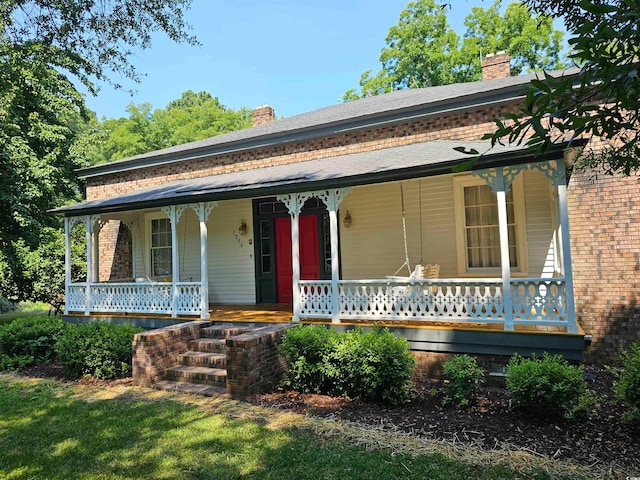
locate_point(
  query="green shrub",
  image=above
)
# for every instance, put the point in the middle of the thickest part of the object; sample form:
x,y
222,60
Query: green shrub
x,y
374,365
464,379
28,340
371,365
549,383
304,350
101,350
627,385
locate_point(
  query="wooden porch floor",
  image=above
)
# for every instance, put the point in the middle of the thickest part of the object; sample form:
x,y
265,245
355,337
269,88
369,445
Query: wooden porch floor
x,y
282,313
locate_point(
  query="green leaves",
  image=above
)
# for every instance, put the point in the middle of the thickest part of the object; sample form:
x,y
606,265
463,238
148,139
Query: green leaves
x,y
194,116
422,49
602,100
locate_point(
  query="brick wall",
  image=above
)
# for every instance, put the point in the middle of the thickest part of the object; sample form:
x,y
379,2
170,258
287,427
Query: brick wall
x,y
156,350
253,363
116,252
605,245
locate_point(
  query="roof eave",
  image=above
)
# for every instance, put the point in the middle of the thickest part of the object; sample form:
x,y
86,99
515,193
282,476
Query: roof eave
x,y
502,95
446,167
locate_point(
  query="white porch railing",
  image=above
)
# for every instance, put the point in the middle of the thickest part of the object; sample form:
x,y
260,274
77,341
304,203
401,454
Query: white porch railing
x,y
535,301
135,297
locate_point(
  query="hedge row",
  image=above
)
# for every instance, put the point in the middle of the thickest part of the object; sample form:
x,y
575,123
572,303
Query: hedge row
x,y
101,350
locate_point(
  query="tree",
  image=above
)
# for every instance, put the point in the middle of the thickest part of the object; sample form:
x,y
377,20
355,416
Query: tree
x,y
46,45
602,100
422,50
194,116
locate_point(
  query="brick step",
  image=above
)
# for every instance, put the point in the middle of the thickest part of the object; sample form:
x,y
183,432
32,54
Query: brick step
x,y
224,330
197,389
203,359
201,375
210,345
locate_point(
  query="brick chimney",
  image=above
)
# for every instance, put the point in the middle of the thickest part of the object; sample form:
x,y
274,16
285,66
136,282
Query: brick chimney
x,y
262,115
496,65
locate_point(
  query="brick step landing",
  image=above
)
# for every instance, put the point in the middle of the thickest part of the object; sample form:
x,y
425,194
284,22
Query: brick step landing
x,y
210,345
201,375
197,389
203,359
224,330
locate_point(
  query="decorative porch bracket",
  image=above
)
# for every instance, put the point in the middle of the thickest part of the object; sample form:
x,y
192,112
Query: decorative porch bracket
x,y
500,180
203,210
294,203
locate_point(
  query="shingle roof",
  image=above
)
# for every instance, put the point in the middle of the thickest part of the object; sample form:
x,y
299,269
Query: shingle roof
x,y
395,163
390,107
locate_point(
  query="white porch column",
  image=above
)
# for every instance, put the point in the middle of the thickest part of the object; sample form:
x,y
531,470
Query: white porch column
x,y
500,182
563,216
89,222
294,205
505,261
67,262
332,201
203,210
295,259
175,266
174,212
97,227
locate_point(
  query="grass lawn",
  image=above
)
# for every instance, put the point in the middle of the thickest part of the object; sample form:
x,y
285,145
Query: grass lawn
x,y
55,430
25,309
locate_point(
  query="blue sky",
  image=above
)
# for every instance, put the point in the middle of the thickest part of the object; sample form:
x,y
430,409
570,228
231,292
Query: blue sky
x,y
295,55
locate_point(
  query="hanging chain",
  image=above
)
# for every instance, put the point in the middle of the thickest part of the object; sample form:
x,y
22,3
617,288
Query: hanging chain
x,y
404,231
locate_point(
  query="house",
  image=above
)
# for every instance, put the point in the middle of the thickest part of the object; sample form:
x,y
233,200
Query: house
x,y
329,212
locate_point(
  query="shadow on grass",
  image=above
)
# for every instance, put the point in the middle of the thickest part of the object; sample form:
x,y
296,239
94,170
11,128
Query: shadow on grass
x,y
45,433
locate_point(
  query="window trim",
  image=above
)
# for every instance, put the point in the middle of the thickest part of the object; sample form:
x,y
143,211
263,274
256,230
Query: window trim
x,y
467,180
149,217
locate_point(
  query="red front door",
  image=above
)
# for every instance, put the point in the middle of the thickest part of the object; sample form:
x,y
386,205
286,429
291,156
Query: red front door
x,y
309,254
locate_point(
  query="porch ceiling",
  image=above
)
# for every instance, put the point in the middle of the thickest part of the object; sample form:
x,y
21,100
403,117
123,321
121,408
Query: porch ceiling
x,y
394,163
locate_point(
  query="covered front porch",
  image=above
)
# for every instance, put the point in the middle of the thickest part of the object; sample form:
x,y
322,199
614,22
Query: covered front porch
x,y
493,287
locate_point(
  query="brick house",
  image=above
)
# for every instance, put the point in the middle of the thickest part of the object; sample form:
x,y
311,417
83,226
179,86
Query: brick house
x,y
330,212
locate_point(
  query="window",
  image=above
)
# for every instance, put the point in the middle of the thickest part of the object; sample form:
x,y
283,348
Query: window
x,y
478,231
160,247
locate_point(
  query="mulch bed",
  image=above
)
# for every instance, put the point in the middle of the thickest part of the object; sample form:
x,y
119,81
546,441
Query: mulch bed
x,y
490,423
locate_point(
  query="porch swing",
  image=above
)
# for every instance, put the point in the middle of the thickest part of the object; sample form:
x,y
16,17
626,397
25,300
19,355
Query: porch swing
x,y
421,270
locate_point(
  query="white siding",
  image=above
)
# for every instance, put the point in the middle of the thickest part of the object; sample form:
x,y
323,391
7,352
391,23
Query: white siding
x,y
374,246
231,262
538,201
